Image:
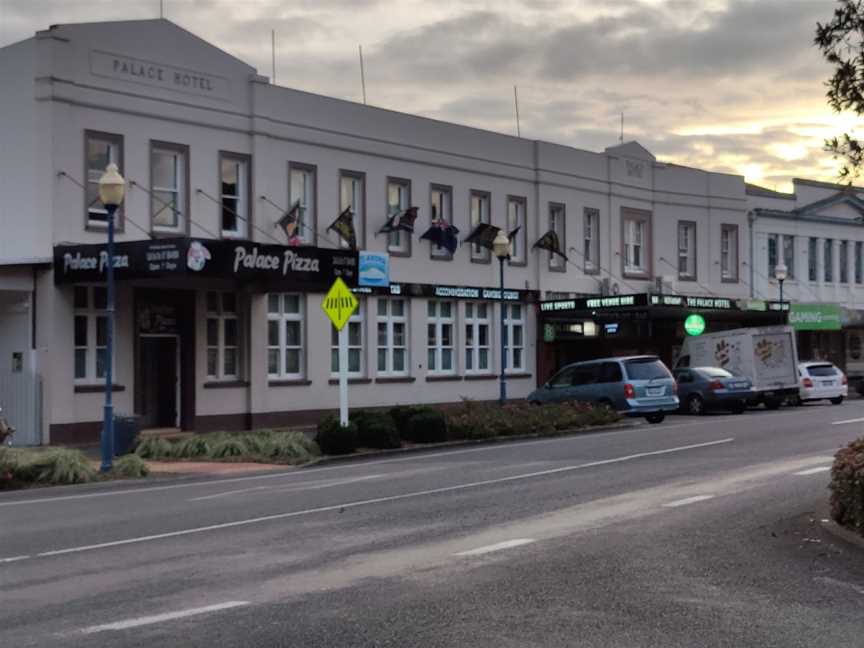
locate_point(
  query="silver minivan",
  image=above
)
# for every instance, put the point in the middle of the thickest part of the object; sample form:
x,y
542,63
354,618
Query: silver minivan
x,y
634,386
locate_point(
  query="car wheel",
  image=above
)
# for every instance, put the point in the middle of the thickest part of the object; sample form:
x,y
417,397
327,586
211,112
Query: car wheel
x,y
537,403
603,403
798,402
655,418
695,405
837,401
739,408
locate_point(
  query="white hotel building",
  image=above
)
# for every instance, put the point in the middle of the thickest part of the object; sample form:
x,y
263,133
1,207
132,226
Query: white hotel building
x,y
205,342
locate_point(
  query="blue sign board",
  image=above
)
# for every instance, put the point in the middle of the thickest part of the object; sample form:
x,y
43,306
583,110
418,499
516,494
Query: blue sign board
x,y
374,269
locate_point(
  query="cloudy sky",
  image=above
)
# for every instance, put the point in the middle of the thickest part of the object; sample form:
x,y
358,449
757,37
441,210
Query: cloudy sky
x,y
726,85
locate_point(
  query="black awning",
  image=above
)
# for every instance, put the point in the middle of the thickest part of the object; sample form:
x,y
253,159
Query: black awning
x,y
271,266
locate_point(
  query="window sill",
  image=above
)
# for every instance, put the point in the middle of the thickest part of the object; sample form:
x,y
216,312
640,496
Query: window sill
x,y
482,261
521,374
395,379
443,378
225,384
351,381
97,389
729,280
399,253
481,376
289,382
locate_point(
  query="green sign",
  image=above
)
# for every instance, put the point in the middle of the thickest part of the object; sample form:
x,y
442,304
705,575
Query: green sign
x,y
694,324
815,317
548,332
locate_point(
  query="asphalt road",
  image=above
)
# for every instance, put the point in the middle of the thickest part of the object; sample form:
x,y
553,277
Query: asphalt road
x,y
697,532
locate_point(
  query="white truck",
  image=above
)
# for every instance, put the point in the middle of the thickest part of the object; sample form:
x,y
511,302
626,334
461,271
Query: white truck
x,y
766,355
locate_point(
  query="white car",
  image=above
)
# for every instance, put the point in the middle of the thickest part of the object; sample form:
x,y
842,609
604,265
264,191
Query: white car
x,y
821,381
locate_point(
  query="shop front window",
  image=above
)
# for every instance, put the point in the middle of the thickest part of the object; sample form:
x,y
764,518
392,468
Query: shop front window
x,y
285,335
223,337
91,333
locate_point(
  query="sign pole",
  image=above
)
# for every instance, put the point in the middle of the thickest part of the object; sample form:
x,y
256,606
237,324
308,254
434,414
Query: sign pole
x,y
343,376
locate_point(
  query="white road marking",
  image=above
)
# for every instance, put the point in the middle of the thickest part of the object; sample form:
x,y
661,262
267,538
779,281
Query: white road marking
x,y
311,486
377,500
855,420
159,618
813,471
507,544
688,500
12,559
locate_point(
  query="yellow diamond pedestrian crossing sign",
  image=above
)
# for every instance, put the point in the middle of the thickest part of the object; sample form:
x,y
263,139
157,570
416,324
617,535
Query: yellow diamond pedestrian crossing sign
x,y
339,303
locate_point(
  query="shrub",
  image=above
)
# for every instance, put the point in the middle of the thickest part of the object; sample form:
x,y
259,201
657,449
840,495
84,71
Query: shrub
x,y
53,466
194,446
333,439
293,446
401,413
226,448
376,430
155,448
130,465
428,426
847,486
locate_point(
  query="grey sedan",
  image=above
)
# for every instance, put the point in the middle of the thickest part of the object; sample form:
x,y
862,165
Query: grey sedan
x,y
705,388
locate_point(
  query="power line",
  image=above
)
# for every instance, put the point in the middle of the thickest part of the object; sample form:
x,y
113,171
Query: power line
x,y
126,218
172,208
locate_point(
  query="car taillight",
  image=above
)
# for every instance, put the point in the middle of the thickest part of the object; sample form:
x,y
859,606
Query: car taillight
x,y
807,383
845,381
629,392
715,385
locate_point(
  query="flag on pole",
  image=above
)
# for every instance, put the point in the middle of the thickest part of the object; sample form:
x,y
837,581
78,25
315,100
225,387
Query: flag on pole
x,y
549,241
289,222
401,220
344,227
513,234
483,235
442,235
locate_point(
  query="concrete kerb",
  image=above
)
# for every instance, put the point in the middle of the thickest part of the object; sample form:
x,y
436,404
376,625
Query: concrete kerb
x,y
842,533
446,445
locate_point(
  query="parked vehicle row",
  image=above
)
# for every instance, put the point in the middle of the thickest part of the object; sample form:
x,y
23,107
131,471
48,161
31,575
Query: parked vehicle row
x,y
644,386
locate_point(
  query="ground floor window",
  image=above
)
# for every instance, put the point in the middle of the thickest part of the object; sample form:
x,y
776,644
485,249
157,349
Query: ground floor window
x,y
91,333
477,337
223,336
439,327
392,328
514,327
285,335
356,334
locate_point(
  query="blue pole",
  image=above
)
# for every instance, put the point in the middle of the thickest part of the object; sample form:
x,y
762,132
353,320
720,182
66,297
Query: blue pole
x,y
108,424
503,395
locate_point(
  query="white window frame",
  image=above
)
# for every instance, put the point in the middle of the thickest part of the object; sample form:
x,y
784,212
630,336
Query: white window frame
x,y
96,216
828,260
787,250
777,245
859,262
280,315
441,208
92,315
435,347
843,260
398,241
591,240
729,253
511,324
358,319
687,250
472,346
813,259
558,224
390,322
221,316
517,208
179,190
302,186
242,209
480,211
637,249
352,193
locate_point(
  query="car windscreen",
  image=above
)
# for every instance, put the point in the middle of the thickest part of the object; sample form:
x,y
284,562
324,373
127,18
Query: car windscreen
x,y
822,370
646,369
715,373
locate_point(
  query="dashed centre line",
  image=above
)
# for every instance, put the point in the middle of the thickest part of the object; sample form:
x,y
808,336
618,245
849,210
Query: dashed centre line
x,y
855,420
688,500
507,544
159,618
813,471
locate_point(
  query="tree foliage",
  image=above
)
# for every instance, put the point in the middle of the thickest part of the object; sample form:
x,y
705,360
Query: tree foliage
x,y
841,41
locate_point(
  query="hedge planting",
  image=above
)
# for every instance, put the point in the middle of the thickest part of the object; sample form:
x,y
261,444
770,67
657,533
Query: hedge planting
x,y
376,429
266,446
847,487
333,439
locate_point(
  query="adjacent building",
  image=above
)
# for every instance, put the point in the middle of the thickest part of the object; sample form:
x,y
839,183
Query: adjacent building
x,y
219,318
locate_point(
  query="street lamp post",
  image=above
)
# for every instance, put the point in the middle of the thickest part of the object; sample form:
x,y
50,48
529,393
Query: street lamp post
x,y
780,274
501,248
112,188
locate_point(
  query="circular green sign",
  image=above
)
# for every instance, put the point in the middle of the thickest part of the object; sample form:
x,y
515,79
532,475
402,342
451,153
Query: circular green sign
x,y
694,324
